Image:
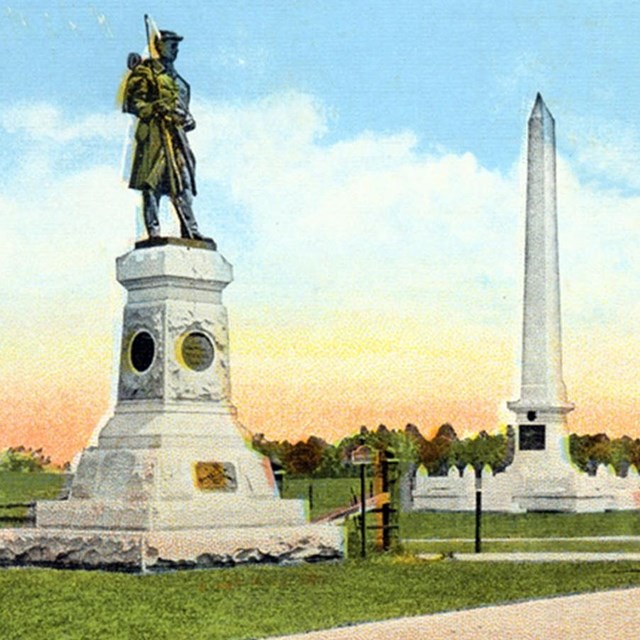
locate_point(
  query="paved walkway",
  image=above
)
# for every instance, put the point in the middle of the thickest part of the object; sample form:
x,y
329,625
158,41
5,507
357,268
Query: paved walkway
x,y
609,615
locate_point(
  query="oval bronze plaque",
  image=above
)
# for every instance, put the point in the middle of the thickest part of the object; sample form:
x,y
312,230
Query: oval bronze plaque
x,y
197,351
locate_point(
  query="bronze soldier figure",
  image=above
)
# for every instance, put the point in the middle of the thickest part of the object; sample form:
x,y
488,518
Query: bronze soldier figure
x,y
163,163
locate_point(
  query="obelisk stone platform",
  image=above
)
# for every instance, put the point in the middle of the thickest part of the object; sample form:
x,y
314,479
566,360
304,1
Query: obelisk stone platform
x,y
172,481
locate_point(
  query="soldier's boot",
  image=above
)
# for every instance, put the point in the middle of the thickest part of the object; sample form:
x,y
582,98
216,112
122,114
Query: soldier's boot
x,y
188,224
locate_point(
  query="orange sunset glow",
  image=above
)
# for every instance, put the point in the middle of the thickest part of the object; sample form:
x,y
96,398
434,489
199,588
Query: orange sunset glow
x,y
292,383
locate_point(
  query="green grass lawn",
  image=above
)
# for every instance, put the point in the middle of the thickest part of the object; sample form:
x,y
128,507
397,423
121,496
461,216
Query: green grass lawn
x,y
525,525
17,487
24,487
328,493
467,546
257,601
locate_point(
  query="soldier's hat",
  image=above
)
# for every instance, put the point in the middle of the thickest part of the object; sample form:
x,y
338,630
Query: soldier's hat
x,y
165,35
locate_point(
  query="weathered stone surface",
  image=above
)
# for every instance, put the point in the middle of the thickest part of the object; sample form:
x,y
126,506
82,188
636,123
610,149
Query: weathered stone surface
x,y
218,511
63,549
172,417
572,491
159,550
183,383
226,547
150,384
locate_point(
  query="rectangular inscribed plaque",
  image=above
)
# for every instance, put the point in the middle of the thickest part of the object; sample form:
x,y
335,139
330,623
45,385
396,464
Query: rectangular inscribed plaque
x,y
532,437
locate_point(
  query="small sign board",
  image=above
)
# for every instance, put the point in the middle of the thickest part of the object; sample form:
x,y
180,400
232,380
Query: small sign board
x,y
532,437
361,455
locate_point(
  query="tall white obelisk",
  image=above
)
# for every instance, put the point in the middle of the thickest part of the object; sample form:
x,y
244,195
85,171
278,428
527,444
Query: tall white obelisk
x,y
541,477
542,408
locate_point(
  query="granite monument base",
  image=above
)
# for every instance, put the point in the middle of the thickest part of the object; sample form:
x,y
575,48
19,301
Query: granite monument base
x,y
148,551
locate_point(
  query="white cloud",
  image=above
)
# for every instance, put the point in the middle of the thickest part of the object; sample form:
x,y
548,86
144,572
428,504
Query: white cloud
x,y
599,253
11,235
63,238
371,227
361,218
367,222
372,221
44,121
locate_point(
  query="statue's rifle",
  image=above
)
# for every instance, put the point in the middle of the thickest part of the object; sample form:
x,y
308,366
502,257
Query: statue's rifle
x,y
175,178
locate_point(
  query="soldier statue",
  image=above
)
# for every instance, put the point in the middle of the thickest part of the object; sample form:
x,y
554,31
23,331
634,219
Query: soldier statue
x,y
163,163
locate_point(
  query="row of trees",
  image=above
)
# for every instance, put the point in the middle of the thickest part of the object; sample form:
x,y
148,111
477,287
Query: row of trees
x,y
316,457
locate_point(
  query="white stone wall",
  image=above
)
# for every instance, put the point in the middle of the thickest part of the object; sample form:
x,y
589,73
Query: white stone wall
x,y
570,491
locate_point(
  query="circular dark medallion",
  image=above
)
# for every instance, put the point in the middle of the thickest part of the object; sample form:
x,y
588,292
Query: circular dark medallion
x,y
141,351
197,351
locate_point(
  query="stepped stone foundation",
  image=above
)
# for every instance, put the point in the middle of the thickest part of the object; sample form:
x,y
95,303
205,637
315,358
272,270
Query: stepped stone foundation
x,y
171,480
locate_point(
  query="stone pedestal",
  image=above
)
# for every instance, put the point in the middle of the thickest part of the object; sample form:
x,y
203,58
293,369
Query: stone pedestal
x,y
171,473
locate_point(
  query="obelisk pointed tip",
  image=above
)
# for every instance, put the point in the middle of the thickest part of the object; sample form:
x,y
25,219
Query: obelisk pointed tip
x,y
540,109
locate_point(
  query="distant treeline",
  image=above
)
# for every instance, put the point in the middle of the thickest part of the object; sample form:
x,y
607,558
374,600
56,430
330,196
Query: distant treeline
x,y
28,460
589,452
316,457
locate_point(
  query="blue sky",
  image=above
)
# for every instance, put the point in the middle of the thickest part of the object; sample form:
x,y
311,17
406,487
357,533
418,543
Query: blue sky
x,y
361,165
461,75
